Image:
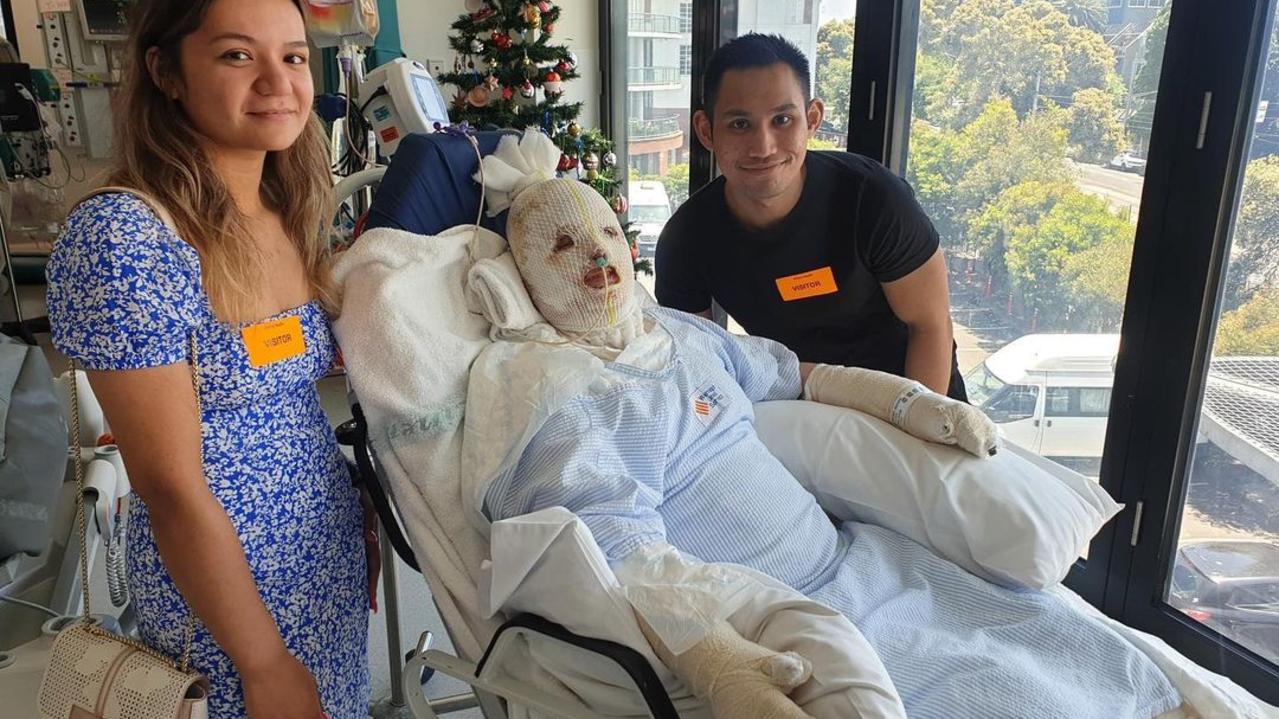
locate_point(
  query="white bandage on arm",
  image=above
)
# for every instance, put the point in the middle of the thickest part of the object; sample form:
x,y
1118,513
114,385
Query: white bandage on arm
x,y
905,403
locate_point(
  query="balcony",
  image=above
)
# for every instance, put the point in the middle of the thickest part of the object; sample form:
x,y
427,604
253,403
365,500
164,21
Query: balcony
x,y
654,128
639,79
642,24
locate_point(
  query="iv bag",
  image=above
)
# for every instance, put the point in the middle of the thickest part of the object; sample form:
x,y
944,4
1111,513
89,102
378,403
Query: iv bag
x,y
341,22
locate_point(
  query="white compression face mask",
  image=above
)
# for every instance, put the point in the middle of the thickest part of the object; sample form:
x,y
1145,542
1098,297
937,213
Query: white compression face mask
x,y
573,257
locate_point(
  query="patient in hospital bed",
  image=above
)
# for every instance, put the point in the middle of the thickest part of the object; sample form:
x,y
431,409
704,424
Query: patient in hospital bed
x,y
639,420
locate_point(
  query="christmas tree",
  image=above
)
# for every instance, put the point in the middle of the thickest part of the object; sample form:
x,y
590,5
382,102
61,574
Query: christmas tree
x,y
510,75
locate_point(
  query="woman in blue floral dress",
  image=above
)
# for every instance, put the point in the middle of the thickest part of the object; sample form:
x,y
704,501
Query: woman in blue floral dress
x,y
244,511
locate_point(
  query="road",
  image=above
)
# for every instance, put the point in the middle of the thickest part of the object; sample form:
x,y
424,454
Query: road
x,y
1121,189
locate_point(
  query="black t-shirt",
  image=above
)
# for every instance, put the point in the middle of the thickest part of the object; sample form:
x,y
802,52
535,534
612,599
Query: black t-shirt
x,y
856,225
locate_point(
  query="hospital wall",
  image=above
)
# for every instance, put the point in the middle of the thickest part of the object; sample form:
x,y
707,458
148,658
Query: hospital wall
x,y
424,33
26,20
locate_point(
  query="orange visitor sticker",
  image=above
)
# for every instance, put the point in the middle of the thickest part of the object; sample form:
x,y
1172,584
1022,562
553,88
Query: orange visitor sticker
x,y
271,342
807,284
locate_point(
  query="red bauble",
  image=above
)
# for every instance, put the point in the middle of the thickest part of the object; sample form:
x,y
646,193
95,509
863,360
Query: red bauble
x,y
544,6
548,29
507,93
501,40
562,66
566,163
552,76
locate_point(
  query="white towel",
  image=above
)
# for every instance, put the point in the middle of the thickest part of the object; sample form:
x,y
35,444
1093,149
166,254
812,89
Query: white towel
x,y
517,163
408,342
495,288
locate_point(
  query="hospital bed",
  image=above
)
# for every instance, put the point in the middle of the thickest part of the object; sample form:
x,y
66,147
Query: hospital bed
x,y
425,190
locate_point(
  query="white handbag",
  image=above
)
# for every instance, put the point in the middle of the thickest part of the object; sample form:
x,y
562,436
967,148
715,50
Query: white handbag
x,y
95,674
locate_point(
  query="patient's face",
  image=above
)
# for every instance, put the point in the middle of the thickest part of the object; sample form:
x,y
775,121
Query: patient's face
x,y
561,231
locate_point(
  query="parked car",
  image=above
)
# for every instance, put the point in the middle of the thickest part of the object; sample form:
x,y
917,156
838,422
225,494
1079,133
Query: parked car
x,y
650,208
1129,161
1232,586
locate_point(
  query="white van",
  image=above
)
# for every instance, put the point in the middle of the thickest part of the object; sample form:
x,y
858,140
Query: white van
x,y
650,208
1050,394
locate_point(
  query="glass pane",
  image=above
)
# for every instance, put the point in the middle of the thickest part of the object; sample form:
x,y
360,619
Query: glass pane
x,y
1028,146
658,83
1226,568
823,31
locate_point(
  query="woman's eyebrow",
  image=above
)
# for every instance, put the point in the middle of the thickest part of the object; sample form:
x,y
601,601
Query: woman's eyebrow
x,y
241,37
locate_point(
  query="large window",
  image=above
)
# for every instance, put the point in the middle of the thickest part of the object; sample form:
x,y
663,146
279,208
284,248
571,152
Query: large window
x,y
658,94
1225,572
1027,151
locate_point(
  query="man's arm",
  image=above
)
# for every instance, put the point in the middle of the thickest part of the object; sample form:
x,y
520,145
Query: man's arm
x,y
922,301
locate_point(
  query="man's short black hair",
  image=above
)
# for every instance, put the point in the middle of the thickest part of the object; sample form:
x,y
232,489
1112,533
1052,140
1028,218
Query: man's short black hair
x,y
751,51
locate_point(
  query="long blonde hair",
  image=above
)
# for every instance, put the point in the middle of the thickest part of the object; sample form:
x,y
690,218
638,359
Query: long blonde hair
x,y
159,151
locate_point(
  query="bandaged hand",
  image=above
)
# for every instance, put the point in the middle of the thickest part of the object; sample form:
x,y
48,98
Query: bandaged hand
x,y
906,404
739,678
683,605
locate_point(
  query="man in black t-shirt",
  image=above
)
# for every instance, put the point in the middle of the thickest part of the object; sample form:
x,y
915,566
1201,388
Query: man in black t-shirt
x,y
825,252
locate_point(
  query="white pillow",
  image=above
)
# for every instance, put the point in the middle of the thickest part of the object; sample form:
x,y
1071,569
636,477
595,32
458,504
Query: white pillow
x,y
1014,519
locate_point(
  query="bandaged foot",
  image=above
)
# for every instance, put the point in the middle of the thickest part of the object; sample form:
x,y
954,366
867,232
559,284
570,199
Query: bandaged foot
x,y
738,677
905,403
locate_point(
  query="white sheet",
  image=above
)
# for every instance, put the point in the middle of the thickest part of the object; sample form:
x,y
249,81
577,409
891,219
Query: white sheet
x,y
549,565
538,556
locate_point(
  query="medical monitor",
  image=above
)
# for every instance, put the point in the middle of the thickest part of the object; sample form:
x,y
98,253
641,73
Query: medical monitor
x,y
104,20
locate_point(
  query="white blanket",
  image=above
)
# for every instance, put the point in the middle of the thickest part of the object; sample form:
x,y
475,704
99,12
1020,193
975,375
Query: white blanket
x,y
408,341
538,556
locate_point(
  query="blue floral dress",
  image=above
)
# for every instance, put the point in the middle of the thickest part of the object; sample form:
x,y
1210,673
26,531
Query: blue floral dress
x,y
125,293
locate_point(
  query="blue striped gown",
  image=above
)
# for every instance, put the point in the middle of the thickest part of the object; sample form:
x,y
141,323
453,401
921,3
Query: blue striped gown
x,y
673,456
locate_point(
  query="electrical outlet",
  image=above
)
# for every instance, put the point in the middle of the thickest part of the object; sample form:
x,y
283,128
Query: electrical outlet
x,y
57,45
435,67
70,120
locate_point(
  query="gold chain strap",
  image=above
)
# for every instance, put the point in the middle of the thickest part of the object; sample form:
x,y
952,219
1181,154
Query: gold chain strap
x,y
189,639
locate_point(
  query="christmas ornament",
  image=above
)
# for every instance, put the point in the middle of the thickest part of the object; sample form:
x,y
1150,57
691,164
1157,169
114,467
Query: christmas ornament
x,y
459,100
552,83
592,175
474,5
501,40
532,16
562,66
507,93
610,159
526,90
548,28
591,161
574,129
479,96
566,163
477,45
571,60
544,6
484,14
620,205
491,83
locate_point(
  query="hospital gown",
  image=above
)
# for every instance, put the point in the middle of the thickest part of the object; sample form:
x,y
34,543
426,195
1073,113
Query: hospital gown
x,y
673,456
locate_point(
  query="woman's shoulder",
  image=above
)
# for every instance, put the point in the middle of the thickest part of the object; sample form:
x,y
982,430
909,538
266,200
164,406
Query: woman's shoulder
x,y
121,228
